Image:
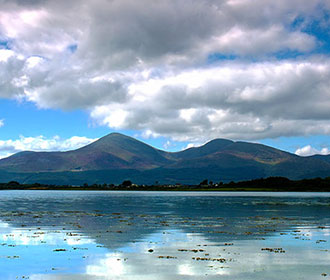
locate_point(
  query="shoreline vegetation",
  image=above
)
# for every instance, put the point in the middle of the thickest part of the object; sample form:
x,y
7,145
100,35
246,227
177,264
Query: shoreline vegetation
x,y
272,184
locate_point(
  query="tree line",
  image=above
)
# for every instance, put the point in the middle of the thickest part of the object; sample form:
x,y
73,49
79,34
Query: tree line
x,y
261,184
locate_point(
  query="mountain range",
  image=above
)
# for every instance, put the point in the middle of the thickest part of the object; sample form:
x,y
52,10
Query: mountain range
x,y
116,157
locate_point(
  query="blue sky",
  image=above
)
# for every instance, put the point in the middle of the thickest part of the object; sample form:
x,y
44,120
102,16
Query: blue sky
x,y
249,70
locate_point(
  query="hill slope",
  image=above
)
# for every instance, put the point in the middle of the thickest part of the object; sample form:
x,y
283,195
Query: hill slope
x,y
114,151
117,157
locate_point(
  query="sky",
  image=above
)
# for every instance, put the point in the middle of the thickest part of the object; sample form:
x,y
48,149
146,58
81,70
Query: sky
x,y
172,73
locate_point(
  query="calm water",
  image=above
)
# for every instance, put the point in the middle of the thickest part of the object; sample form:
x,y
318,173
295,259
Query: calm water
x,y
139,235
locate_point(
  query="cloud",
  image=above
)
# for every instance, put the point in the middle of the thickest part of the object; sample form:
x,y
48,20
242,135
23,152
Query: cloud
x,y
309,151
41,143
11,75
2,123
192,145
265,40
240,101
150,69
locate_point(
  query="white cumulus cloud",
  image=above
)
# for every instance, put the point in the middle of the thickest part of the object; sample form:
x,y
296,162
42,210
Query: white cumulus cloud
x,y
309,151
160,69
232,100
41,143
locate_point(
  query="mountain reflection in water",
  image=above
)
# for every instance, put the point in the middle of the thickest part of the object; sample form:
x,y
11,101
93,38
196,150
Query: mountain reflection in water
x,y
130,235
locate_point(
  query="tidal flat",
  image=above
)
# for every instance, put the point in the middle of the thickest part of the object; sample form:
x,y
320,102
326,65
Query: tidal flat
x,y
164,235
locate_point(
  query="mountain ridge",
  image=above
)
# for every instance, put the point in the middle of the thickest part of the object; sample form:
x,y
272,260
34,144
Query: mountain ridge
x,y
117,157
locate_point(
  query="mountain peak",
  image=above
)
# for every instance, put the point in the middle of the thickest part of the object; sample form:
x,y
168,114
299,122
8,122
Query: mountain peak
x,y
218,143
111,140
116,135
210,147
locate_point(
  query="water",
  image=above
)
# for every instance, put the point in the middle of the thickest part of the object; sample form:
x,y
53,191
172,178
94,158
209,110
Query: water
x,y
158,235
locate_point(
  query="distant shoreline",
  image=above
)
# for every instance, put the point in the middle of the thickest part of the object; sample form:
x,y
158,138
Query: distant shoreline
x,y
271,184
